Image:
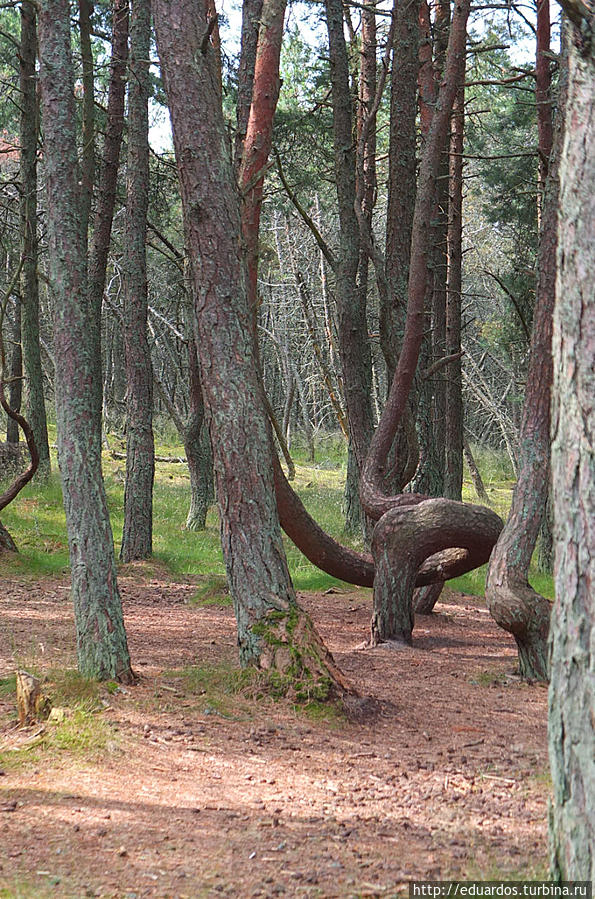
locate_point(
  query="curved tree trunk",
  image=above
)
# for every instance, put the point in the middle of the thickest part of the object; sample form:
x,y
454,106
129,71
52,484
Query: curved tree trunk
x,y
397,566
513,604
572,689
404,538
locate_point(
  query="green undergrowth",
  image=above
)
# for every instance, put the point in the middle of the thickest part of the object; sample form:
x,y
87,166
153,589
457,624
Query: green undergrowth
x,y
243,694
31,888
79,730
36,520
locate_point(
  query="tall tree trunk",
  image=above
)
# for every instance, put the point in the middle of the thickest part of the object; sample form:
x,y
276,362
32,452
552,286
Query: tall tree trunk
x,y
259,134
101,638
453,435
88,136
354,347
29,127
108,179
15,391
251,12
428,477
543,84
273,632
439,266
572,693
513,604
137,537
402,165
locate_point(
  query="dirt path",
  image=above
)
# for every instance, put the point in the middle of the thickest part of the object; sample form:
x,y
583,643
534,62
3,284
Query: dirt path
x,y
196,792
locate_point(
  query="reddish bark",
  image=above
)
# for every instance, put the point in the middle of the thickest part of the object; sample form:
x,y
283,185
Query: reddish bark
x,y
259,133
373,500
354,348
273,632
427,82
453,444
405,538
251,10
468,530
543,83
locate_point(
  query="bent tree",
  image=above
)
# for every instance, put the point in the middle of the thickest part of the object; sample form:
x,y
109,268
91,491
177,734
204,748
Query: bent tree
x,y
572,684
273,632
101,639
417,538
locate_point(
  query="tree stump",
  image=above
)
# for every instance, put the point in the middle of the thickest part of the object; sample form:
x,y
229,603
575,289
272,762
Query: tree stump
x,y
32,704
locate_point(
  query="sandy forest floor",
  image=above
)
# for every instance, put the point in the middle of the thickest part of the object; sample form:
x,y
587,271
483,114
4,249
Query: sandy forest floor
x,y
196,792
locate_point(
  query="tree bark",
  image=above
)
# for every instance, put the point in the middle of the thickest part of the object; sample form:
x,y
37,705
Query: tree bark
x,y
543,100
259,134
15,392
478,484
137,536
453,434
29,127
513,604
273,632
108,179
198,448
88,131
101,639
354,347
572,689
396,573
251,12
402,165
373,499
404,538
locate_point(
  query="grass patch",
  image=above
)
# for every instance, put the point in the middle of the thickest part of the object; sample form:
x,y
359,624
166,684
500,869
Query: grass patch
x,y
492,869
213,592
489,679
81,733
219,689
25,889
8,685
36,520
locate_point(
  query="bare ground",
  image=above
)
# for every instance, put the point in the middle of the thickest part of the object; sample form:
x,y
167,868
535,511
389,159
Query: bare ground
x,y
191,798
